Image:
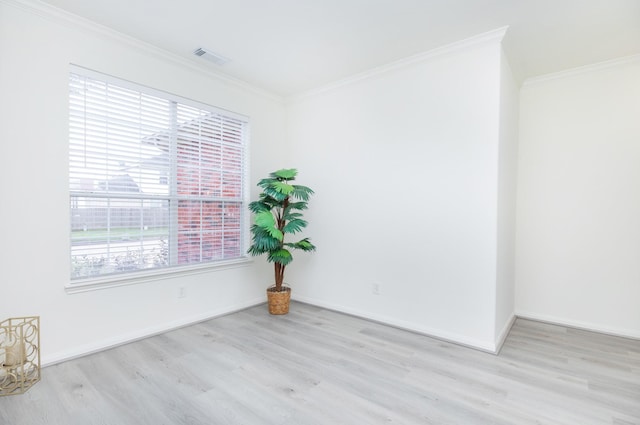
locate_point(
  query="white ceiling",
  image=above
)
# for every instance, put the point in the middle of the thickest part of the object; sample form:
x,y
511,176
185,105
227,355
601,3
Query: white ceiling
x,y
291,46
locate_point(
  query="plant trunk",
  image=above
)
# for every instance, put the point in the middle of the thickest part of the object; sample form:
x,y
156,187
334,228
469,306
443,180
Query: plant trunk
x,y
279,275
279,268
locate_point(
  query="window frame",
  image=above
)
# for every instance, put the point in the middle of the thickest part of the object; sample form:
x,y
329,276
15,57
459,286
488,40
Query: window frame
x,y
82,284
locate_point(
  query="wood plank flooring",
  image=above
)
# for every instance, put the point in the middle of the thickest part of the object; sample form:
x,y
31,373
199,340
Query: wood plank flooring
x,y
315,366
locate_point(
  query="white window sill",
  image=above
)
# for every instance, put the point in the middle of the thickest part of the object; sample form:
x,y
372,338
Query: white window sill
x,y
112,281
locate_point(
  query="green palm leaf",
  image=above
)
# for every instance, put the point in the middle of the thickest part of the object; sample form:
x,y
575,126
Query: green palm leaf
x,y
259,206
303,245
301,205
294,226
264,183
263,242
291,215
274,193
266,221
301,192
286,174
283,188
281,256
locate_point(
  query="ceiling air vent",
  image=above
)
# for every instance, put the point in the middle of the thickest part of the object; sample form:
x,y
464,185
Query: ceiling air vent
x,y
210,56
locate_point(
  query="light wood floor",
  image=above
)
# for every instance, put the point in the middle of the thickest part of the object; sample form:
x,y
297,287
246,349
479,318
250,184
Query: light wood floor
x,y
315,366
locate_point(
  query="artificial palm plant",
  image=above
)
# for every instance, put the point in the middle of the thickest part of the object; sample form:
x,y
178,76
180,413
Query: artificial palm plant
x,y
278,213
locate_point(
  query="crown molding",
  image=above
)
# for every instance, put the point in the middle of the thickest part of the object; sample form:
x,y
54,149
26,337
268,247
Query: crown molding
x,y
59,16
572,72
488,37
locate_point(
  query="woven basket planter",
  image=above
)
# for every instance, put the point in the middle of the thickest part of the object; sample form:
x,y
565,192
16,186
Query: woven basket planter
x,y
278,301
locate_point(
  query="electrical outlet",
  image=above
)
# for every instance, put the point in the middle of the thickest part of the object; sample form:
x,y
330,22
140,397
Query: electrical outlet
x,y
182,292
375,288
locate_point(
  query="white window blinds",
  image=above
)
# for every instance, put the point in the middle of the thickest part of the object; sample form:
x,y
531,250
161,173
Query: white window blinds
x,y
154,180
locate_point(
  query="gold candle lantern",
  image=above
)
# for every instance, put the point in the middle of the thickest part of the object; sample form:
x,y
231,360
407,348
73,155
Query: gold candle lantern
x,y
19,354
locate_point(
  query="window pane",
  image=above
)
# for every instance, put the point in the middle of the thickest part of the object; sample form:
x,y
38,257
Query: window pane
x,y
116,235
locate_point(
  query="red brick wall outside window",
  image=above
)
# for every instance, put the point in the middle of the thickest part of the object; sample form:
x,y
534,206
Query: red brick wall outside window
x,y
208,230
209,167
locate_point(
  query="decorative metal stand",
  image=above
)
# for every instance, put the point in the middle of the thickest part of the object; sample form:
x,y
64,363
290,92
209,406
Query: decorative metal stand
x,y
19,354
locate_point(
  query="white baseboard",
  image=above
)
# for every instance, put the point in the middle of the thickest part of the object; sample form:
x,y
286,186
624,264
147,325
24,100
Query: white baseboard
x,y
504,333
400,324
92,348
88,349
576,324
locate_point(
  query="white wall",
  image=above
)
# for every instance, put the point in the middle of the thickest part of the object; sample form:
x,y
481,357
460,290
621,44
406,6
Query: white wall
x,y
578,213
405,164
507,176
35,52
414,169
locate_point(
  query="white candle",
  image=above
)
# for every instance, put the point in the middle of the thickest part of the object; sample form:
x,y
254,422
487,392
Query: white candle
x,y
14,354
3,373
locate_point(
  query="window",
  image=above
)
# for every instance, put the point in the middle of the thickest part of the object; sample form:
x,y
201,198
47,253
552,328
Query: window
x,y
155,181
